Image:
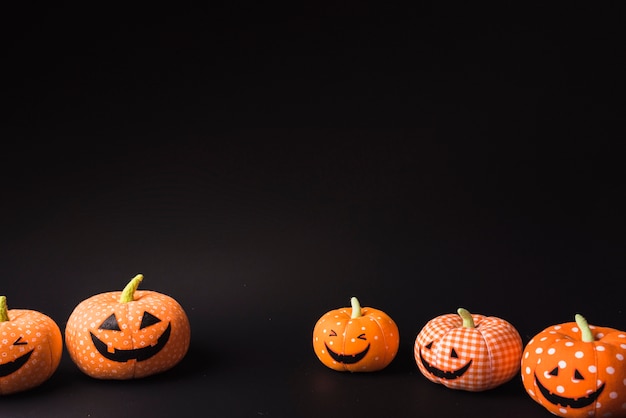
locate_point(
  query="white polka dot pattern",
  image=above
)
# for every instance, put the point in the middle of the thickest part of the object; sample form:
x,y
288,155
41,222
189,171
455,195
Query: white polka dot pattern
x,y
573,378
364,344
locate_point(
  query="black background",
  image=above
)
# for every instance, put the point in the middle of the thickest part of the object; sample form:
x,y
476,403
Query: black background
x,y
262,164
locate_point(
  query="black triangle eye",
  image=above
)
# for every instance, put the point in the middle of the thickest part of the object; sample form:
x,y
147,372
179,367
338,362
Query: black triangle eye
x,y
554,372
577,375
453,354
430,345
148,319
332,333
110,323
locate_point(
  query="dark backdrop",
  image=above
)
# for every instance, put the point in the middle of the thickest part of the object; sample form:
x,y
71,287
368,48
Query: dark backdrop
x,y
263,164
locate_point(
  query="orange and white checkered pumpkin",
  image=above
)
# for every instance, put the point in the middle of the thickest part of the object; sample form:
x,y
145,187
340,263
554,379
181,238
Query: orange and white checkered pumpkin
x,y
468,351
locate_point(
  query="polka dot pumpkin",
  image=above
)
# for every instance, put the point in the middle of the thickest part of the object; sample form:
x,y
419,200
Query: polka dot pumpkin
x,y
30,348
468,351
126,335
356,339
577,370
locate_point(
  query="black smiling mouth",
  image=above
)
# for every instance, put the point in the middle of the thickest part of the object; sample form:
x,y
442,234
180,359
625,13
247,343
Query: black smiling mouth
x,y
139,354
568,402
442,374
345,358
11,367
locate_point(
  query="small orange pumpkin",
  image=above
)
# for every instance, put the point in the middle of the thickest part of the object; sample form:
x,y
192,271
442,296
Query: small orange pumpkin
x,y
128,334
468,351
577,370
356,339
30,348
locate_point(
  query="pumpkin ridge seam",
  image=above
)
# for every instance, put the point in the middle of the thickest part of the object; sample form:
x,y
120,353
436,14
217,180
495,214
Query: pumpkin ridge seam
x,y
492,373
345,332
50,358
384,338
595,362
132,340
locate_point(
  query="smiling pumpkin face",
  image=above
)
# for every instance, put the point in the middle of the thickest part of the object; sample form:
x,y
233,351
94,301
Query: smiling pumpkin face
x,y
109,339
355,339
571,377
30,349
468,351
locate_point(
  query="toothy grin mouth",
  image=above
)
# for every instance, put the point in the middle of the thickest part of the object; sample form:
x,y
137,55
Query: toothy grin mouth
x,y
568,402
442,374
347,358
139,354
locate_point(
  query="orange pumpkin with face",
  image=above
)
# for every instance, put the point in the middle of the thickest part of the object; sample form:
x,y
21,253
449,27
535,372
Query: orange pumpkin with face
x,y
577,370
129,334
468,351
30,348
356,339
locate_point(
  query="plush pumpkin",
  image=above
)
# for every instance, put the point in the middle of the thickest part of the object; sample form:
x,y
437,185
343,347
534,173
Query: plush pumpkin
x,y
356,339
128,334
30,348
577,370
468,351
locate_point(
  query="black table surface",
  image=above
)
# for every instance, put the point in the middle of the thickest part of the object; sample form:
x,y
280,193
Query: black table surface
x,y
264,164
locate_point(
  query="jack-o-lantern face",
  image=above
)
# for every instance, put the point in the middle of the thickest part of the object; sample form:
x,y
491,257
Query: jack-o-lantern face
x,y
576,375
126,354
30,348
111,339
445,374
355,339
587,393
357,354
14,365
468,351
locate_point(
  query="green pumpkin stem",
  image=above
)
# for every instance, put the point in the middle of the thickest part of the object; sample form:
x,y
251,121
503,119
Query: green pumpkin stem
x,y
587,335
128,294
468,321
356,308
4,311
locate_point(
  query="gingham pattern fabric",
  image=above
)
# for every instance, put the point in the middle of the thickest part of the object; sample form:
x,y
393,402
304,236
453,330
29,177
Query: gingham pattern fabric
x,y
444,349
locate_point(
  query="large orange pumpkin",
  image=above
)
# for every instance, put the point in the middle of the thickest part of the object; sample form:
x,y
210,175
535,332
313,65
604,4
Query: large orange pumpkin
x,y
577,370
128,334
30,348
356,339
468,351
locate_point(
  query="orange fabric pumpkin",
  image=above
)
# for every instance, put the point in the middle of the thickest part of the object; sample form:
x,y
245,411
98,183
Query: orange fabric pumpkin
x,y
468,351
30,348
356,339
577,370
128,334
